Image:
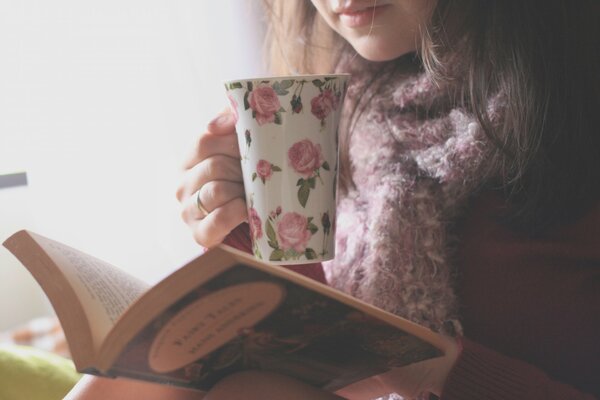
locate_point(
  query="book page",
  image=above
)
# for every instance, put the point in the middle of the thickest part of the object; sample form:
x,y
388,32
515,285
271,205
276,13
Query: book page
x,y
104,290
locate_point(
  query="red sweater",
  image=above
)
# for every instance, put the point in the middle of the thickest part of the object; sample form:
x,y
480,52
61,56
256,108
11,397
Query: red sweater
x,y
536,303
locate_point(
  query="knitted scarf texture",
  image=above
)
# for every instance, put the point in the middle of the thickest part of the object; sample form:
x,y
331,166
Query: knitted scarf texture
x,y
414,172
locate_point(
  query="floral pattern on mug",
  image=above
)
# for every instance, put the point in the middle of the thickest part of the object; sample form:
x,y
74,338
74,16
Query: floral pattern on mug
x,y
255,223
264,170
290,236
323,104
306,158
265,104
262,99
296,104
302,231
327,100
326,224
256,231
296,101
248,137
276,213
248,140
234,108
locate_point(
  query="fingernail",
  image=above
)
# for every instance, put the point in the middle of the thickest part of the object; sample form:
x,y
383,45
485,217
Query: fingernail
x,y
220,120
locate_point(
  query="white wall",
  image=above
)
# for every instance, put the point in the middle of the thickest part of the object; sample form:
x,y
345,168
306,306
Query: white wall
x,y
99,103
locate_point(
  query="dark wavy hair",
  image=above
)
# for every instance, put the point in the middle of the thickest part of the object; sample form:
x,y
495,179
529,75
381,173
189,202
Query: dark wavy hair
x,y
542,54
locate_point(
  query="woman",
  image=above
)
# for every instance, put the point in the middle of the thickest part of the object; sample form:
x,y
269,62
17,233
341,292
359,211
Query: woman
x,y
469,201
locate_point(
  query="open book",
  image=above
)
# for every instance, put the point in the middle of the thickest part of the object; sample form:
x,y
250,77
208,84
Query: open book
x,y
220,313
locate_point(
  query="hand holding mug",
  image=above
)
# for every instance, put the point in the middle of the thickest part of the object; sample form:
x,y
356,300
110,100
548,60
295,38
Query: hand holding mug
x,y
212,190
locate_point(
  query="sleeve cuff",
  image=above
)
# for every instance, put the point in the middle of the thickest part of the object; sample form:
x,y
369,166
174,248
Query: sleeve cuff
x,y
481,373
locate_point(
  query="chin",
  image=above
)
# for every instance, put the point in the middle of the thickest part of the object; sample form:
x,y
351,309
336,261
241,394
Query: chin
x,y
378,53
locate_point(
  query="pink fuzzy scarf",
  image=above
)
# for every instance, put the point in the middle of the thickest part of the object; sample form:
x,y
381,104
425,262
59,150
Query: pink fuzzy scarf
x,y
414,174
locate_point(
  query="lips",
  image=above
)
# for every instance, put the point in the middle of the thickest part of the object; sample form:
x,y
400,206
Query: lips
x,y
355,15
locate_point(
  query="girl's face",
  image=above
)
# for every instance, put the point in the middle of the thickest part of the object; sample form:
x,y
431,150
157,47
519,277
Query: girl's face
x,y
379,30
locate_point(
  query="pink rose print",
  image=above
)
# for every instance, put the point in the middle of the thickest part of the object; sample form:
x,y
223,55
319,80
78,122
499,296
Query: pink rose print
x,y
323,104
234,108
305,157
264,170
292,232
288,235
264,104
255,223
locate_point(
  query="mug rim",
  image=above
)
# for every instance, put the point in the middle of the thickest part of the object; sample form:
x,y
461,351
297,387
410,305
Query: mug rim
x,y
282,77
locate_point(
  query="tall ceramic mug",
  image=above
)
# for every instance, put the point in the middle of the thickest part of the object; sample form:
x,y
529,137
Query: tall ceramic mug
x,y
287,131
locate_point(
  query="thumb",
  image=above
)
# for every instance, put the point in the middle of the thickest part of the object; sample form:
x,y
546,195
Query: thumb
x,y
222,124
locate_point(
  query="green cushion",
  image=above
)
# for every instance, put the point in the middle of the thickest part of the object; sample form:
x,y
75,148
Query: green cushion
x,y
33,374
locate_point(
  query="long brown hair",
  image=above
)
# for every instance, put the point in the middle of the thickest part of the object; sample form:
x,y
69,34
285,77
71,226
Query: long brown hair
x,y
543,55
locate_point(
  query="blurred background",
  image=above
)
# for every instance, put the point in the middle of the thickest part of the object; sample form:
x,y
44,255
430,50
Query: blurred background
x,y
99,104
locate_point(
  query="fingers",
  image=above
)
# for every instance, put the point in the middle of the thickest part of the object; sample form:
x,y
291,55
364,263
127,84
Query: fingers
x,y
213,195
211,230
223,124
221,194
215,168
212,189
219,138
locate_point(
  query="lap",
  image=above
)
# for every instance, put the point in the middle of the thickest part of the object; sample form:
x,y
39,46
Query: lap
x,y
94,388
248,385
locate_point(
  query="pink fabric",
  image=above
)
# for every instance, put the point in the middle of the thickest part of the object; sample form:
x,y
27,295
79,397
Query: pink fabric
x,y
414,174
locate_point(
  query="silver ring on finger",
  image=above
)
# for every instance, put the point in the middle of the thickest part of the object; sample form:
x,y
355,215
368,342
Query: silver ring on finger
x,y
203,211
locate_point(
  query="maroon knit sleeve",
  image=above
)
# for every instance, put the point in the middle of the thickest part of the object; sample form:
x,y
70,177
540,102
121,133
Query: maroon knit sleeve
x,y
240,239
481,373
